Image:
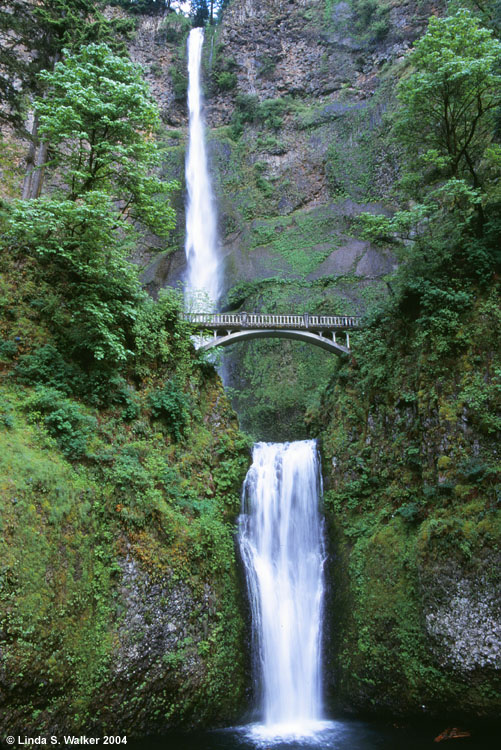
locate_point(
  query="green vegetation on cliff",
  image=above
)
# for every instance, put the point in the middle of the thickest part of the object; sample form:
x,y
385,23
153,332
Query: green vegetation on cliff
x,y
410,424
121,460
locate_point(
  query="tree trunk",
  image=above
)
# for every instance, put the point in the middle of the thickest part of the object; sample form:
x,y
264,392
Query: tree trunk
x,y
30,161
38,172
35,163
36,158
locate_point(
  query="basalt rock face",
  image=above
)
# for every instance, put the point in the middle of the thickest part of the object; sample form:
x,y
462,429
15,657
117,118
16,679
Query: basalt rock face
x,y
303,87
462,609
313,49
157,45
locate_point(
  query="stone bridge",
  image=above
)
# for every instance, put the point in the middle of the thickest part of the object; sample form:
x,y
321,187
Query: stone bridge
x,y
330,332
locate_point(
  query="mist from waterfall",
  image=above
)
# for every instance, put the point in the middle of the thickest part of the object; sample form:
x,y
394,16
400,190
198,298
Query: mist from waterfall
x,y
281,542
202,280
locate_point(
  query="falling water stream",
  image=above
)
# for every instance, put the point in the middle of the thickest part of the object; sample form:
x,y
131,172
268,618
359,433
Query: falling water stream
x,y
202,281
281,541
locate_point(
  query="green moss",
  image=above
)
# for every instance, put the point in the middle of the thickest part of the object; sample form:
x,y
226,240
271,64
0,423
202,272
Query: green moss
x,y
299,239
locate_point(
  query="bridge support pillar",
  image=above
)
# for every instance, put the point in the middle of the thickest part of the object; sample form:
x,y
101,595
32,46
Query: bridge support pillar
x,y
347,340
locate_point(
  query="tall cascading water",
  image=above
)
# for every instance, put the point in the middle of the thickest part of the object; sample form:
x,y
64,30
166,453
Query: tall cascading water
x,y
202,281
281,542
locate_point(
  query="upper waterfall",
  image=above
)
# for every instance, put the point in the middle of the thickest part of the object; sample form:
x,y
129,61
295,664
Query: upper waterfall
x,y
281,540
201,247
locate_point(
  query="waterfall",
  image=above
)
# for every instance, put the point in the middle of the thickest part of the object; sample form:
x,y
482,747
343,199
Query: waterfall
x,y
201,247
281,541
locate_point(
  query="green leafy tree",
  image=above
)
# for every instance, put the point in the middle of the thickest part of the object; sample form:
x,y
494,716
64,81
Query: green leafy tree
x,y
489,11
100,118
447,124
199,11
80,257
449,101
33,37
203,11
100,121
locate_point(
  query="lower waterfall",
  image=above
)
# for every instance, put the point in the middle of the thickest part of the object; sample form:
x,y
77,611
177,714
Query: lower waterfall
x,y
282,546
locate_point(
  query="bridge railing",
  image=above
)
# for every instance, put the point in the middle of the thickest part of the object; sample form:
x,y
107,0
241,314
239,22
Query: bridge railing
x,y
265,320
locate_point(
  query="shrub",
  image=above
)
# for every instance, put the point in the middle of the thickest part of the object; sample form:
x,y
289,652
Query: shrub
x,y
131,405
271,112
179,84
8,349
99,385
46,366
63,419
5,414
171,405
175,27
226,81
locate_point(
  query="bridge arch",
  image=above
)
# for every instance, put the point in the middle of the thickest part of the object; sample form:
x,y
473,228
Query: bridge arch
x,y
230,328
306,336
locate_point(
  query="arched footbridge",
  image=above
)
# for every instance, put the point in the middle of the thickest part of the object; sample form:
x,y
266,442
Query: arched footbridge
x,y
330,332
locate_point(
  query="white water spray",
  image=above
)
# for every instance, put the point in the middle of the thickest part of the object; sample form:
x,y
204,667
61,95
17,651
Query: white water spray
x,y
202,258
281,540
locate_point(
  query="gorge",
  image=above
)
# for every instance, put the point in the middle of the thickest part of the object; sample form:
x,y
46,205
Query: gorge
x,y
123,604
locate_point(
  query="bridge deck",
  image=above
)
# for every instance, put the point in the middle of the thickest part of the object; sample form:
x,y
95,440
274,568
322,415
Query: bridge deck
x,y
239,321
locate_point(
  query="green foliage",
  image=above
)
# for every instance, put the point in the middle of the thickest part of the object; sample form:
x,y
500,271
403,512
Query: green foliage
x,y
64,586
271,112
99,117
489,11
298,238
171,405
8,349
270,144
266,66
423,376
179,84
441,232
46,365
63,419
175,27
226,81
410,512
161,337
450,100
6,418
446,122
79,251
248,109
371,19
38,33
